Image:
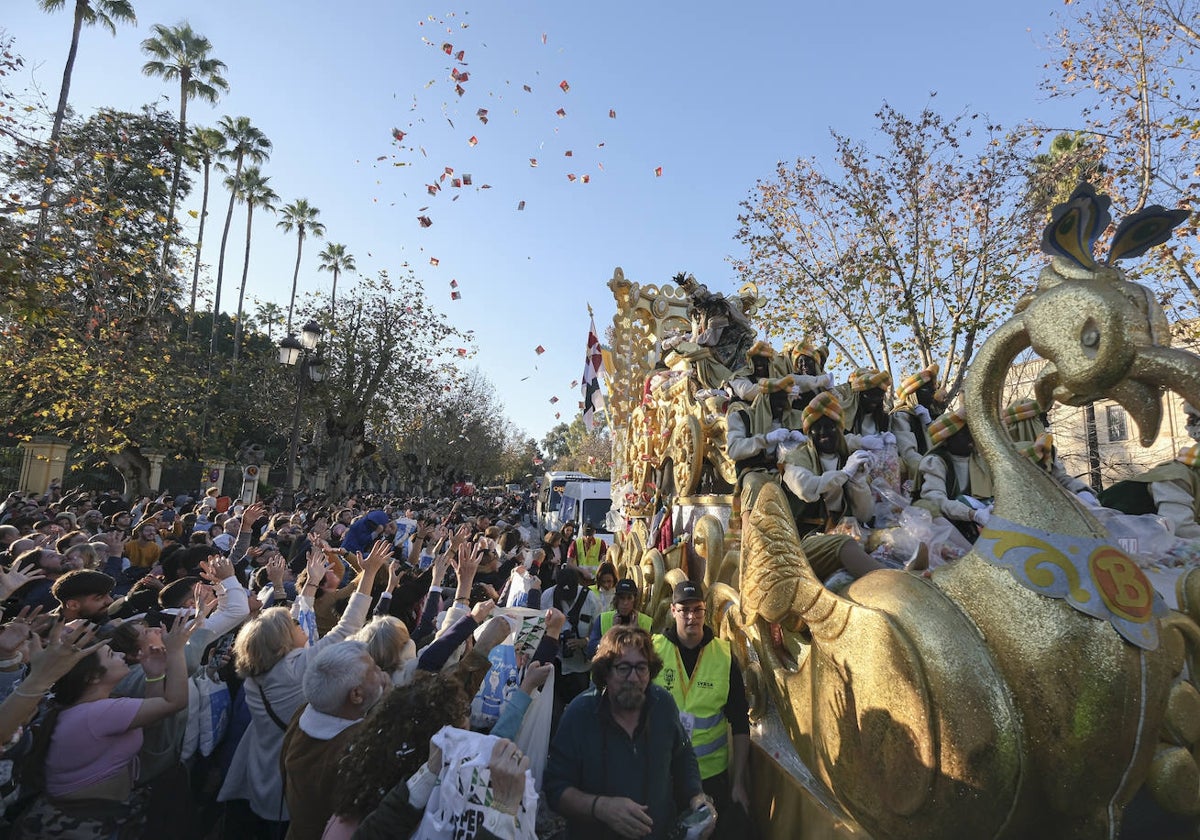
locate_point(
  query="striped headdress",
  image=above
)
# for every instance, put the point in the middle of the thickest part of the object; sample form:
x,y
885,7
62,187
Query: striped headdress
x,y
1019,410
1041,451
947,425
865,378
912,383
824,404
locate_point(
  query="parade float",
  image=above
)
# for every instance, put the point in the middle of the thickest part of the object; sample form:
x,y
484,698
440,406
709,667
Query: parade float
x,y
1028,690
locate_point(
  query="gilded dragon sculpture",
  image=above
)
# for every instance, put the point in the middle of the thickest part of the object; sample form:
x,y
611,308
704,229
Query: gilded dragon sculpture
x,y
1029,689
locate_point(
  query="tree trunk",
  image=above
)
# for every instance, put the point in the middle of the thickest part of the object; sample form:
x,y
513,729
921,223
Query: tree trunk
x,y
333,295
295,275
56,130
237,171
184,78
199,246
134,468
237,327
343,452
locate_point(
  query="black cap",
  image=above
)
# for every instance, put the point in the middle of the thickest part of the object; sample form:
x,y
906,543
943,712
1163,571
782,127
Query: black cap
x,y
81,583
685,591
625,586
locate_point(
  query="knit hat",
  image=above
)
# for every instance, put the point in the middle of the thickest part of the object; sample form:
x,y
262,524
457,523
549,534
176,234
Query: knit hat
x,y
912,383
865,378
626,586
824,404
1041,451
1189,457
1019,410
794,349
947,425
761,348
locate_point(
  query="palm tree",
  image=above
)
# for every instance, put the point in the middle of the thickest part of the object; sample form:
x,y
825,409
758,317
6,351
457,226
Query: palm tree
x,y
269,315
335,259
245,142
107,13
178,53
204,146
303,217
252,188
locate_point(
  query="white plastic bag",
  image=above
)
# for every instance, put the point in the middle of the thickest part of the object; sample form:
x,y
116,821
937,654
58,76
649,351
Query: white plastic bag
x,y
215,704
191,733
457,807
519,584
534,735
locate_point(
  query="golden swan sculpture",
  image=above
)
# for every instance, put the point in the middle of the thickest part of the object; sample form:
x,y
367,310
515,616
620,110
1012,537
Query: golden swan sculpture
x,y
1021,691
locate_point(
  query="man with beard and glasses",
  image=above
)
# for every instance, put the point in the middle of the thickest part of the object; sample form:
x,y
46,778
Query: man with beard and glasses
x,y
825,482
620,763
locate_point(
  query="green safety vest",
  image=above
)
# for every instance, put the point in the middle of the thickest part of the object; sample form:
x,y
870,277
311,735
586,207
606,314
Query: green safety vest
x,y
588,559
607,619
702,697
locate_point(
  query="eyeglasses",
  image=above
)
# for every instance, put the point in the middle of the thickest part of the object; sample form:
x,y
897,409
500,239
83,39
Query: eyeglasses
x,y
624,669
690,611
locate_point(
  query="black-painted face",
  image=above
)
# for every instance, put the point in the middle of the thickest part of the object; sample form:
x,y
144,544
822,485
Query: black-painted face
x,y
871,399
925,393
961,443
762,367
779,401
825,436
806,366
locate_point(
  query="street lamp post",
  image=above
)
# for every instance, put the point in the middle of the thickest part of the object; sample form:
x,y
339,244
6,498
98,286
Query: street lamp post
x,y
301,354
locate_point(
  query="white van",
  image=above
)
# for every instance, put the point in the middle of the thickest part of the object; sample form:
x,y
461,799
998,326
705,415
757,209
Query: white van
x,y
550,497
588,501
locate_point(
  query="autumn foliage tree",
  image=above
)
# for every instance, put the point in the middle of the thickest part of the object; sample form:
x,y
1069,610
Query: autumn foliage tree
x,y
903,252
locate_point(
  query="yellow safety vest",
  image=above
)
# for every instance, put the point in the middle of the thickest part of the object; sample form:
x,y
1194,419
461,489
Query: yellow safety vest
x,y
700,699
588,559
608,618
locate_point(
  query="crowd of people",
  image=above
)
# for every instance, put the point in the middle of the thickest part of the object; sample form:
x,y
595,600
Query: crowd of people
x,y
202,667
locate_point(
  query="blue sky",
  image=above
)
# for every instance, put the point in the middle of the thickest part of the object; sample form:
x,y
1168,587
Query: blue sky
x,y
715,94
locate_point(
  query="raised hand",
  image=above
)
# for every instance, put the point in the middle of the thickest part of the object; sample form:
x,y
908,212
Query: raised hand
x,y
177,636
252,514
482,610
13,578
216,569
381,552
276,567
64,648
506,772
536,676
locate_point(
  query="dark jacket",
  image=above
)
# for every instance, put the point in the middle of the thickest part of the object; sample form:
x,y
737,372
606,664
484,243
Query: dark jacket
x,y
361,535
592,753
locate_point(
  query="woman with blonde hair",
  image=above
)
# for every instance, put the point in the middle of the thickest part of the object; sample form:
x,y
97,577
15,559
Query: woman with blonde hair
x,y
270,654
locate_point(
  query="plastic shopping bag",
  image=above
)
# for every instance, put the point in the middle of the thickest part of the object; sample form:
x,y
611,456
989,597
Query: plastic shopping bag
x,y
459,804
215,704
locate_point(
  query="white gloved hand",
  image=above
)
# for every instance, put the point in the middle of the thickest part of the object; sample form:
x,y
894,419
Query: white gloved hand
x,y
855,462
922,414
671,342
889,439
871,442
797,436
794,391
980,517
825,380
1088,498
777,436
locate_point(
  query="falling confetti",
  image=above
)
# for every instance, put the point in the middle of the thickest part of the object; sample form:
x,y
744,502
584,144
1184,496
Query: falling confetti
x,y
456,183
466,179
574,383
612,115
447,49
455,295
565,87
453,284
587,179
398,134
458,56
482,114
433,261
528,89
553,400
462,351
658,172
539,350
543,37
562,112
425,221
520,205
474,141
460,90
557,415
533,162
571,177
568,153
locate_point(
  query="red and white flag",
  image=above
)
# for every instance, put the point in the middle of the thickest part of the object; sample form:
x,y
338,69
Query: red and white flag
x,y
593,369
